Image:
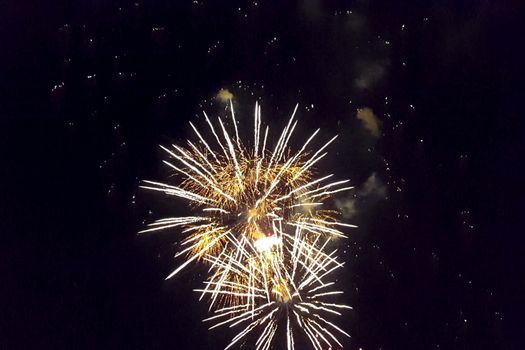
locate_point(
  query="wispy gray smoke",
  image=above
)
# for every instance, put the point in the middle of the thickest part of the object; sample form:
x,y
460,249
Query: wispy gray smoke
x,y
370,192
370,73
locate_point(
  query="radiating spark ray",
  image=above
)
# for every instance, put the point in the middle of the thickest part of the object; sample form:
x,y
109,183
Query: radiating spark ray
x,y
204,142
235,125
216,136
202,156
177,270
238,173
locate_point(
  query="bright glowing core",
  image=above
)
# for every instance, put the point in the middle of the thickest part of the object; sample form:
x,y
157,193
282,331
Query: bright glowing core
x,y
265,243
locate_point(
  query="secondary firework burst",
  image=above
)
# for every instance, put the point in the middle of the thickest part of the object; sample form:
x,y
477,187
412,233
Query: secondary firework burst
x,y
260,223
285,291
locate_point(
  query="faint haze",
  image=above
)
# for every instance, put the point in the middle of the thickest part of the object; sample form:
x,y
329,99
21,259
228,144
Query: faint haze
x,y
370,192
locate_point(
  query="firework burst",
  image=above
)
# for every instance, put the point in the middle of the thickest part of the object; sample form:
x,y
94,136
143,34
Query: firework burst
x,y
260,223
283,288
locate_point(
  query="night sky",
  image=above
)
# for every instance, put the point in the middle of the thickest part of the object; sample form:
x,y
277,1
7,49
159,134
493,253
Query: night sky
x,y
426,97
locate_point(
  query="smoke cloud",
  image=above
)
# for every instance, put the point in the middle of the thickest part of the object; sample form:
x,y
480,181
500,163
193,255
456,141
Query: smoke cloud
x,y
369,120
370,73
370,192
224,96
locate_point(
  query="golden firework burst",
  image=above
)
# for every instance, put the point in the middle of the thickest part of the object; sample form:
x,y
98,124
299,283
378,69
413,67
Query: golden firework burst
x,y
261,225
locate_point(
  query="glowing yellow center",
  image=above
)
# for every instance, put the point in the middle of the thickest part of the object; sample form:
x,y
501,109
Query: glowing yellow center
x,y
281,292
252,213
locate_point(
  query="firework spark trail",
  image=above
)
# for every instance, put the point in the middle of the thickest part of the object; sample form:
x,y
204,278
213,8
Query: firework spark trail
x,y
262,230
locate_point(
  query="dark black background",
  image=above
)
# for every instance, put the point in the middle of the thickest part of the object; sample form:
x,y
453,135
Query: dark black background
x,y
88,89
